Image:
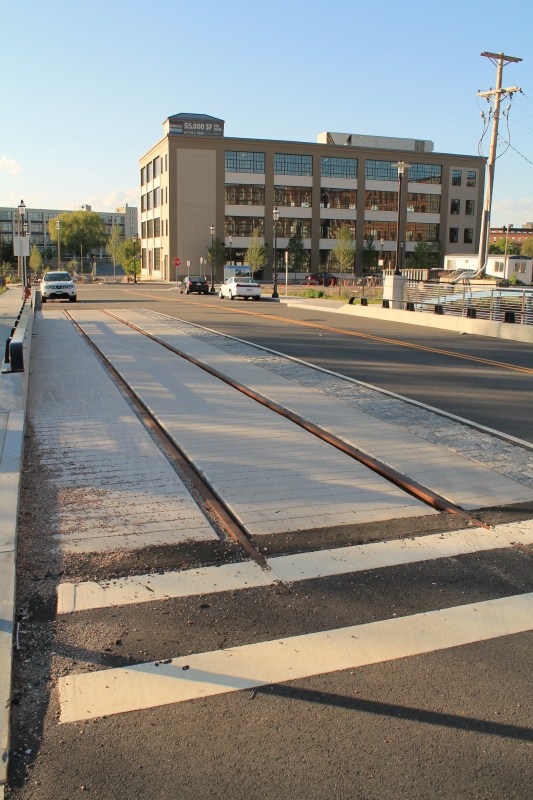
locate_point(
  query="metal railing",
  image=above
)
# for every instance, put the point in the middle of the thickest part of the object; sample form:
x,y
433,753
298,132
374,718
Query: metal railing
x,y
479,301
14,347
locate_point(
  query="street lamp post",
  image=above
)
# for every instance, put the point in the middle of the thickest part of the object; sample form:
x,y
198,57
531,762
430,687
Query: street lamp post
x,y
382,262
230,243
58,229
401,167
275,216
135,240
212,232
22,233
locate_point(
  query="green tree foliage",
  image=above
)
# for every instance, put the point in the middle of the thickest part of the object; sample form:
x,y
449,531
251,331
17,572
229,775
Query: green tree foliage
x,y
370,256
130,257
36,259
6,252
114,244
426,255
527,248
297,252
216,257
498,247
81,231
256,254
344,253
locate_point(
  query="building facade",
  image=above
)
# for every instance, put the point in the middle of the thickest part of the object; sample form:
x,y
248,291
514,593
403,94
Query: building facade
x,y
37,219
196,179
511,234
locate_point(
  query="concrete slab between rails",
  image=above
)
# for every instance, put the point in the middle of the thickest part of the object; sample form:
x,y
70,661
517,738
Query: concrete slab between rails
x,y
13,395
461,325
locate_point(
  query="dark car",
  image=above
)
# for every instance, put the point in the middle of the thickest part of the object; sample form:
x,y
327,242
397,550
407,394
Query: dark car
x,y
321,279
194,283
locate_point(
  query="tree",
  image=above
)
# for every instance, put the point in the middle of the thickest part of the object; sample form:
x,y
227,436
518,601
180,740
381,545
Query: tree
x,y
216,256
36,259
6,252
527,248
256,254
499,247
370,256
79,230
114,246
129,257
296,250
344,253
426,255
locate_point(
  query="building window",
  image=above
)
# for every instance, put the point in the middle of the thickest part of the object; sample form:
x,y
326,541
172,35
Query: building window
x,y
286,164
425,173
157,258
471,177
423,203
520,267
455,207
468,237
290,226
244,226
338,167
157,227
454,235
457,175
299,196
338,198
149,172
143,230
378,230
381,170
143,176
329,228
381,201
499,266
149,229
422,232
143,202
245,162
148,201
469,207
157,170
237,194
157,197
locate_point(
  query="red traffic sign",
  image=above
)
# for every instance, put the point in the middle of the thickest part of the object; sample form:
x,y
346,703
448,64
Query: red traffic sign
x,y
177,262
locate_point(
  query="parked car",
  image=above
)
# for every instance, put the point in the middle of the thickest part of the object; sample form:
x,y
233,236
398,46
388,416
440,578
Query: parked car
x,y
321,279
194,283
240,287
58,286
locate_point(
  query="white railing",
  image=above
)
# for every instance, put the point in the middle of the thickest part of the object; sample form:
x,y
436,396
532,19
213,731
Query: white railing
x,y
489,302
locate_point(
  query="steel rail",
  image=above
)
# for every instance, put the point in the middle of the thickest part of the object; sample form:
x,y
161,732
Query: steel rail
x,y
175,455
415,489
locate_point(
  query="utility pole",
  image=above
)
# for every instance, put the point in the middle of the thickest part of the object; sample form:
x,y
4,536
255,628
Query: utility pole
x,y
500,60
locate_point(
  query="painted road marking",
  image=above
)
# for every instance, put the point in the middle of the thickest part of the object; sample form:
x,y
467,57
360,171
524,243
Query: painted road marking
x,y
287,569
116,691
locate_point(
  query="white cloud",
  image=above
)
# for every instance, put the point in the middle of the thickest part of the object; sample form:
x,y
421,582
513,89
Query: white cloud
x,y
9,165
113,200
512,211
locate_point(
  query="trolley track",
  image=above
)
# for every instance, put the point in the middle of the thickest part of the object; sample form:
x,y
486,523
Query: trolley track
x,y
216,504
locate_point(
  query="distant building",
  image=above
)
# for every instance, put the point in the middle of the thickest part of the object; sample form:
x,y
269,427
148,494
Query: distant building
x,y
194,179
125,218
516,235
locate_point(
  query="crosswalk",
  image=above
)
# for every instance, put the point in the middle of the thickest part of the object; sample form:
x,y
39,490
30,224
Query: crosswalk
x,y
88,695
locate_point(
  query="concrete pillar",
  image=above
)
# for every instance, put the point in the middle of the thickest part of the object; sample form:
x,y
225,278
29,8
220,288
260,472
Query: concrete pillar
x,y
393,290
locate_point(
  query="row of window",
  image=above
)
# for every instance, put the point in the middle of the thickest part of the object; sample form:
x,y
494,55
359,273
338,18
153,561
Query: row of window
x,y
468,235
154,169
154,198
335,167
150,259
455,207
153,228
329,229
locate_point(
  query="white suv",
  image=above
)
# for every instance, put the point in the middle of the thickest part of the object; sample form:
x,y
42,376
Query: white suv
x,y
58,285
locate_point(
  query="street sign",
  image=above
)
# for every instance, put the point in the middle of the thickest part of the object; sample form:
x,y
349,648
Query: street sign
x,y
177,262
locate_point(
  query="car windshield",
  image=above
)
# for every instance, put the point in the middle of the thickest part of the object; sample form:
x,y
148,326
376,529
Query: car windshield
x,y
244,280
195,278
57,276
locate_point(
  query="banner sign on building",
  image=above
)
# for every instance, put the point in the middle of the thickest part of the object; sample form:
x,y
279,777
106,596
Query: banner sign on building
x,y
195,125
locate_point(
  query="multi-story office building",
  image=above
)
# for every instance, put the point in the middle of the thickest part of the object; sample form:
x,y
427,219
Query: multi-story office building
x,y
512,234
195,179
37,219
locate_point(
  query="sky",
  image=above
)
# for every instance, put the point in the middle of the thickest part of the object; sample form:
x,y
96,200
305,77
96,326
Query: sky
x,y
87,86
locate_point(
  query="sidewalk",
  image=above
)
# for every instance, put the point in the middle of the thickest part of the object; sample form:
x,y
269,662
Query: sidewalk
x,y
13,390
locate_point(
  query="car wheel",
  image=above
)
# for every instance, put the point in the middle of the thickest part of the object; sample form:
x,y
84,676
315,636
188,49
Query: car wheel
x,y
187,291
43,299
256,297
72,299
221,295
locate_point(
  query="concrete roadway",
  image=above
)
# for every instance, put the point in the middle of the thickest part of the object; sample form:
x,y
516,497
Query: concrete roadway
x,y
399,665
439,368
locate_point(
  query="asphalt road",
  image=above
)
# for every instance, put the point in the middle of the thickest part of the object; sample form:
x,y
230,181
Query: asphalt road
x,y
439,368
451,722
